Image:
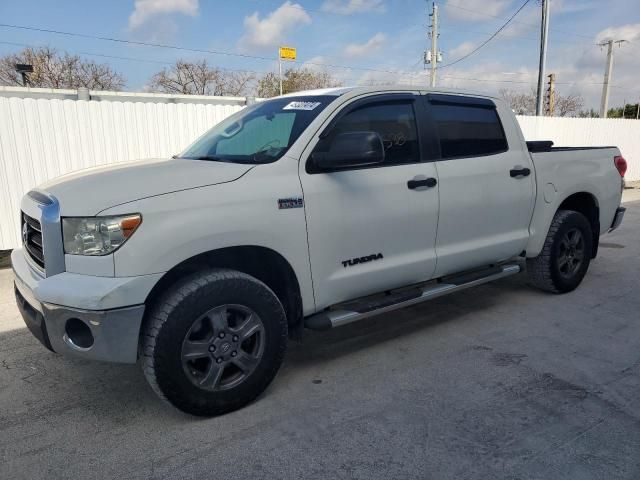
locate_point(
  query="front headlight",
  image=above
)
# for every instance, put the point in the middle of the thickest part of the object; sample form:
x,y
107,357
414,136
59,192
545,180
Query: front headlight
x,y
97,235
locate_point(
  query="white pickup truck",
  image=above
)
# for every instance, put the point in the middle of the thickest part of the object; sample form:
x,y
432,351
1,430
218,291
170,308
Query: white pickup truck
x,y
309,210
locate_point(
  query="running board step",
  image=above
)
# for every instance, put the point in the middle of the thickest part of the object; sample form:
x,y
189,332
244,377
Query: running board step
x,y
353,312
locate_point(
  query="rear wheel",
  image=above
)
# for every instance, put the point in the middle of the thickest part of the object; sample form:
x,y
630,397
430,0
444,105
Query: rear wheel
x,y
214,342
566,254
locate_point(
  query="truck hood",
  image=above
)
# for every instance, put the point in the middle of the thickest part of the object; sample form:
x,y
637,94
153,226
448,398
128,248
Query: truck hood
x,y
89,191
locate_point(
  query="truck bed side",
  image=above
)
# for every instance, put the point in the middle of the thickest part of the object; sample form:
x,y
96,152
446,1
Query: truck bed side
x,y
564,172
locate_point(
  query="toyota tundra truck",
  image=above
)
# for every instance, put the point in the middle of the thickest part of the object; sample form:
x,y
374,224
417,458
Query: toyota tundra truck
x,y
310,210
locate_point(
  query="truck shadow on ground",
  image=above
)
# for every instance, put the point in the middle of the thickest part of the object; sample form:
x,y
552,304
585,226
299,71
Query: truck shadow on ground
x,y
317,347
118,394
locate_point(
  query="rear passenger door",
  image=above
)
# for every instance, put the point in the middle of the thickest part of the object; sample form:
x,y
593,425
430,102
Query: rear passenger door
x,y
486,184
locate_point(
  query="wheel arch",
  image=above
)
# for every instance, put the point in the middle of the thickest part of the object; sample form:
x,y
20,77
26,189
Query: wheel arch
x,y
263,263
587,204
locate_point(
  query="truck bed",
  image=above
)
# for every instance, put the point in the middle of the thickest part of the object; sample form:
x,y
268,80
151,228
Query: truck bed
x,y
562,171
547,146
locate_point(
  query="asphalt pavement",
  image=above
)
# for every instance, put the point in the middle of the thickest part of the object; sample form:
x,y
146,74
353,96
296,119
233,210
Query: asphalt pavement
x,y
497,382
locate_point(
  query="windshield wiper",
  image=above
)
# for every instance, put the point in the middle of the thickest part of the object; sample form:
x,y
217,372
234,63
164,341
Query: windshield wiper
x,y
211,158
266,155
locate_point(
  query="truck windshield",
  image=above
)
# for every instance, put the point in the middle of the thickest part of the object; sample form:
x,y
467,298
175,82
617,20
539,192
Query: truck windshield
x,y
260,133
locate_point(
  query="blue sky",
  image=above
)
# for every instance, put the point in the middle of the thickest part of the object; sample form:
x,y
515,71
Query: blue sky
x,y
363,40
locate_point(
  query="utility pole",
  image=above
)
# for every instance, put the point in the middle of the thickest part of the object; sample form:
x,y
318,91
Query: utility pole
x,y
544,32
604,104
550,97
433,56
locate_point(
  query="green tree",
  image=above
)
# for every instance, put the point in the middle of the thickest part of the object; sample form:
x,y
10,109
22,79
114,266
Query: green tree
x,y
628,111
591,113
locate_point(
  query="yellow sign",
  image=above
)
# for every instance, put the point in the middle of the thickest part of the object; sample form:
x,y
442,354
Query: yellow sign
x,y
287,53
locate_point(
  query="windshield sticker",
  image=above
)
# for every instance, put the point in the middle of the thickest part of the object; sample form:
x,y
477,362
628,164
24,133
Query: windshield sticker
x,y
302,106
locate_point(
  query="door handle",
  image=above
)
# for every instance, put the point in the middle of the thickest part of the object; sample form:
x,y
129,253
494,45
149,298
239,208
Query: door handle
x,y
424,182
519,172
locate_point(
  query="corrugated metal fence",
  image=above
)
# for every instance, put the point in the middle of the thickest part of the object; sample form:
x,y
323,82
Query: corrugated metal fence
x,y
44,134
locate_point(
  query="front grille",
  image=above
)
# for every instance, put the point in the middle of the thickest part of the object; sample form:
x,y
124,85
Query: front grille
x,y
32,239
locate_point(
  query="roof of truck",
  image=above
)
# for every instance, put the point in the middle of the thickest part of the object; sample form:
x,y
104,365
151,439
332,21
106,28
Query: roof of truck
x,y
337,91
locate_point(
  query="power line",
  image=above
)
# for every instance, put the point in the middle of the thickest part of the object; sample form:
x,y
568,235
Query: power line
x,y
504,25
531,25
416,73
133,59
409,73
177,47
462,29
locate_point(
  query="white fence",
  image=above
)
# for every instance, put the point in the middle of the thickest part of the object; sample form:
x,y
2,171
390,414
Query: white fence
x,y
47,133
43,138
589,132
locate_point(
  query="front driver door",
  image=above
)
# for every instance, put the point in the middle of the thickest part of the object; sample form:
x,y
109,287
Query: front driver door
x,y
372,228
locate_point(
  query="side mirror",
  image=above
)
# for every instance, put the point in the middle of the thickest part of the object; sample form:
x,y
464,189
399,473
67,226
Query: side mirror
x,y
351,149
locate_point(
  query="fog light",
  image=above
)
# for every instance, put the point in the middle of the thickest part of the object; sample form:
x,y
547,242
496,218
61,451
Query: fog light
x,y
78,333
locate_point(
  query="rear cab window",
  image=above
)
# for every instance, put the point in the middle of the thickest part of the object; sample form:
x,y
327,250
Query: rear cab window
x,y
467,126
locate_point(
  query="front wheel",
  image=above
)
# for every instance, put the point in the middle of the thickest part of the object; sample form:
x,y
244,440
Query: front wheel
x,y
214,342
566,254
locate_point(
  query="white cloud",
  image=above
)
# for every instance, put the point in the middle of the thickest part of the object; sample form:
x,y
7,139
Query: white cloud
x,y
527,23
569,6
371,46
348,7
316,63
629,32
488,77
476,10
399,77
145,9
461,50
272,29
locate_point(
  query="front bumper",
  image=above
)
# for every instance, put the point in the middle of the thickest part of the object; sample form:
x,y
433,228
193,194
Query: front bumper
x,y
110,335
96,318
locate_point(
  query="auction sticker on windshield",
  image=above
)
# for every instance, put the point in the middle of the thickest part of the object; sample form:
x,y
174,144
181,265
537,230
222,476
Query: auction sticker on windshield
x,y
301,106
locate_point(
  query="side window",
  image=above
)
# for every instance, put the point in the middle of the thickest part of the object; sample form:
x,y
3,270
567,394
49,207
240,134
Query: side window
x,y
395,122
468,131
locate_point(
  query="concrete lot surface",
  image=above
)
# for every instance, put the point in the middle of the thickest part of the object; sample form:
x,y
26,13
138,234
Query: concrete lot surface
x,y
498,382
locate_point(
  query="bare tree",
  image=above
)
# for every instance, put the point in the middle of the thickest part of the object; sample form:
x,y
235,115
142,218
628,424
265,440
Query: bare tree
x,y
569,106
59,70
525,103
520,103
201,79
295,80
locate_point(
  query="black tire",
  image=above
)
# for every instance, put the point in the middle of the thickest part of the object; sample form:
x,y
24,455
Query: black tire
x,y
549,271
169,329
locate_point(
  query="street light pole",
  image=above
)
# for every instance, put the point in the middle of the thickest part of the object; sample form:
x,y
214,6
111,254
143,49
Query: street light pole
x,y
544,32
